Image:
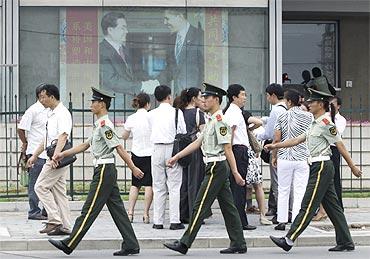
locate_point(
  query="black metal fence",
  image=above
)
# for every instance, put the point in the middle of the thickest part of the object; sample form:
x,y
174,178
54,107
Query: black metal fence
x,y
356,137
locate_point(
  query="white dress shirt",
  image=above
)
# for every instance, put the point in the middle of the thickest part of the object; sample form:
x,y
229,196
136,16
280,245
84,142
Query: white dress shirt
x,y
340,123
234,117
34,123
162,123
138,125
59,122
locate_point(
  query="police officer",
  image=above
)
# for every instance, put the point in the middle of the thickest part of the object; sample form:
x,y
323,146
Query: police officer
x,y
320,187
215,141
103,188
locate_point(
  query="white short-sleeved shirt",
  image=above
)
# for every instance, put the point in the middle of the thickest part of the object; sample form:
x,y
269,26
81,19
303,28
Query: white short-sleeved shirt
x,y
33,122
162,124
234,117
138,125
59,122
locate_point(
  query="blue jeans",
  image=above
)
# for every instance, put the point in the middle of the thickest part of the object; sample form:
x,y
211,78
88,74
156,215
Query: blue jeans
x,y
33,174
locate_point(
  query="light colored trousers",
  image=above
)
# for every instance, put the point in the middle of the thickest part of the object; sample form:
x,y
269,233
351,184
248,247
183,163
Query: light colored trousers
x,y
51,189
165,180
291,174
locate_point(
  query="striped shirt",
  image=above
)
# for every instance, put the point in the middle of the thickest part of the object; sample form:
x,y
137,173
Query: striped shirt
x,y
291,124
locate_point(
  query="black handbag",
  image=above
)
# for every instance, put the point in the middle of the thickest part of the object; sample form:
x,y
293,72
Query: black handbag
x,y
265,154
65,161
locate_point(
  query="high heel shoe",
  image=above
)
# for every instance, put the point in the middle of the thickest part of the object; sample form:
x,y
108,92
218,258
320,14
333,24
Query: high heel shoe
x,y
130,217
146,219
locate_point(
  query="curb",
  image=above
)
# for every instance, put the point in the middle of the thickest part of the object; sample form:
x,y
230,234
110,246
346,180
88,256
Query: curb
x,y
221,242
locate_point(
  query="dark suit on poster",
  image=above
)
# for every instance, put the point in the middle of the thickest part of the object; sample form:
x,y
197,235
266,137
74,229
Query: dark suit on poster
x,y
115,74
189,70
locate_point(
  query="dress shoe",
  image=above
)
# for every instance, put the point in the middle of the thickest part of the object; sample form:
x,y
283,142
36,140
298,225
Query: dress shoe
x,y
61,246
340,248
280,226
274,220
176,226
157,226
126,252
234,250
281,242
249,227
49,227
271,213
59,231
177,246
37,216
265,221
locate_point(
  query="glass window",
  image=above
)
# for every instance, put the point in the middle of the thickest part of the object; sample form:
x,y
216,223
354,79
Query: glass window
x,y
130,49
309,45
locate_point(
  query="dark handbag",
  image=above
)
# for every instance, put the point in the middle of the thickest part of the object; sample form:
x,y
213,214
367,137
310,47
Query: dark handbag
x,y
265,154
181,142
65,161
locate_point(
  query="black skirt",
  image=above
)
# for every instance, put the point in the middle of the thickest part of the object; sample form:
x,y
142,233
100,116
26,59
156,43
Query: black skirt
x,y
144,163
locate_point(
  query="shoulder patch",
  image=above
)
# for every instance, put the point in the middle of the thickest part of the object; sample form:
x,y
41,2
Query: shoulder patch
x,y
219,117
102,123
333,131
109,134
326,121
223,131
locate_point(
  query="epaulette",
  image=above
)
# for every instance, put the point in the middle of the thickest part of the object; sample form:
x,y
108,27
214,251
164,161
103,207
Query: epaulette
x,y
326,121
102,123
219,117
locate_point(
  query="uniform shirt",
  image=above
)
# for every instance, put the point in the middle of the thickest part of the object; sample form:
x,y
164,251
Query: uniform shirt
x,y
59,122
234,117
276,110
33,122
138,125
322,134
216,133
162,123
104,139
291,124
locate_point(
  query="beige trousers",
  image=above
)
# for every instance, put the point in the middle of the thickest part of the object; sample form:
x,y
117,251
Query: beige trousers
x,y
51,189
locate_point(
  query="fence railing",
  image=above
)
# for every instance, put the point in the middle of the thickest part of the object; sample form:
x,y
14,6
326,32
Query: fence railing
x,y
356,138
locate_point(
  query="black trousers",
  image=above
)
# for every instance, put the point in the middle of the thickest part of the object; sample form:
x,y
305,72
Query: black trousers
x,y
239,192
335,157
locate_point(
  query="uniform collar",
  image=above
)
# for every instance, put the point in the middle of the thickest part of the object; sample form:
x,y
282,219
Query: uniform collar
x,y
319,119
97,122
217,113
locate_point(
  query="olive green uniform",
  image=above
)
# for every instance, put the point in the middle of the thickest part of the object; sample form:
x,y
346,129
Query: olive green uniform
x,y
216,184
320,187
103,189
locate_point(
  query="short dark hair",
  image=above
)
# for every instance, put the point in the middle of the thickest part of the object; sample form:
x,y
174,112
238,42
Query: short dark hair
x,y
177,11
276,89
339,100
140,100
293,96
38,90
161,92
51,90
316,72
110,20
234,90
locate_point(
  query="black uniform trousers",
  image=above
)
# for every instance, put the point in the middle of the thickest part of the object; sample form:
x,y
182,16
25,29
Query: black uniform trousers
x,y
239,192
320,189
215,185
103,190
335,157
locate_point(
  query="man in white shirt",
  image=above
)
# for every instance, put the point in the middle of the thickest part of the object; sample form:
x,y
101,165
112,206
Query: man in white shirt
x,y
50,186
165,179
31,131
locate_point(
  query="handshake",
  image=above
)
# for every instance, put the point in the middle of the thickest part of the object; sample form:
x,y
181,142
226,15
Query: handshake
x,y
149,86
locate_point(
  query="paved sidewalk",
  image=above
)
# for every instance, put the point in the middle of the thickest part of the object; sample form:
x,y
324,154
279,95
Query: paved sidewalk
x,y
18,233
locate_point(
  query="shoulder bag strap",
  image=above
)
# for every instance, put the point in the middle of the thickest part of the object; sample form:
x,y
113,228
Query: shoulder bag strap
x,y
197,119
176,118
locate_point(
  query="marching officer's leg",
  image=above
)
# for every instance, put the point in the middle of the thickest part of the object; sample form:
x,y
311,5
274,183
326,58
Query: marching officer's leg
x,y
100,189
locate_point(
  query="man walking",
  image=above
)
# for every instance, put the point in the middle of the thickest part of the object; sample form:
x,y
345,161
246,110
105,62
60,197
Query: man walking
x,y
103,188
215,141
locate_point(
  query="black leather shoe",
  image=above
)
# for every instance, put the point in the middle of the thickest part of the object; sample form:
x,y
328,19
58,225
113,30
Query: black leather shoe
x,y
125,252
176,226
38,216
177,246
59,231
61,246
270,212
157,226
340,248
281,226
234,250
280,242
249,227
274,220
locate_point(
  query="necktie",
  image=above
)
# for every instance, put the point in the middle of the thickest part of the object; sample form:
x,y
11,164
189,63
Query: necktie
x,y
122,54
178,47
